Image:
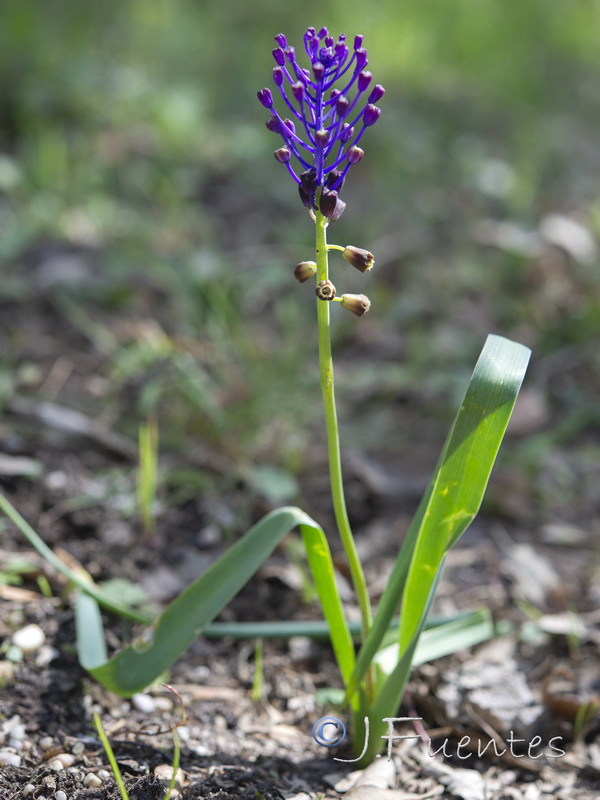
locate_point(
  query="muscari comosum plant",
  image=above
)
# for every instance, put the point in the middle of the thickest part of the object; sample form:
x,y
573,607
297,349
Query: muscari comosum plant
x,y
327,110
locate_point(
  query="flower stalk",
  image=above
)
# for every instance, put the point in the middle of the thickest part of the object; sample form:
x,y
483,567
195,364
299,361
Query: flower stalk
x,y
333,436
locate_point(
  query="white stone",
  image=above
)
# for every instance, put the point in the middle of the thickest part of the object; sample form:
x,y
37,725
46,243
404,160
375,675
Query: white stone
x,y
91,780
144,703
56,765
10,759
46,742
29,639
66,759
60,795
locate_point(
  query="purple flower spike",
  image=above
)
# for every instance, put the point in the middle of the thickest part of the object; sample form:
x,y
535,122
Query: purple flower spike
x,y
327,110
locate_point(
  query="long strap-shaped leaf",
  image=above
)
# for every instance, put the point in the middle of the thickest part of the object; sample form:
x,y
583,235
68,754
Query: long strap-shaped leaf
x,y
186,617
451,500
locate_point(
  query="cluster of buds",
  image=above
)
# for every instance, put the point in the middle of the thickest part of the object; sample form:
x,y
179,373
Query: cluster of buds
x,y
324,103
363,260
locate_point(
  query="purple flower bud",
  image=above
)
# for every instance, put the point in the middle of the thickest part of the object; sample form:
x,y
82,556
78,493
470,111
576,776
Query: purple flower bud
x,y
290,53
305,198
329,41
323,32
298,91
265,97
281,40
289,125
282,155
371,115
304,270
308,181
331,206
347,133
279,56
277,76
377,93
310,32
361,58
334,93
358,40
333,178
364,79
354,155
322,137
319,70
273,124
326,56
341,105
341,51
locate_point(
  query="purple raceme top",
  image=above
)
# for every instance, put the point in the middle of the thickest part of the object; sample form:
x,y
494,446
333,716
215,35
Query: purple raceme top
x,y
331,110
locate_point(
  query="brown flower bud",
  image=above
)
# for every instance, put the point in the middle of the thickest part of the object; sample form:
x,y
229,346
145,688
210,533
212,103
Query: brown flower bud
x,y
305,270
331,206
358,304
325,290
362,260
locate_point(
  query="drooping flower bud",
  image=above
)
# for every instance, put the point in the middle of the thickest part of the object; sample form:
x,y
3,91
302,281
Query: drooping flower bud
x,y
377,93
341,105
322,137
335,178
277,76
358,40
273,124
347,133
319,70
289,125
361,58
279,56
282,155
298,91
325,290
358,304
364,79
281,40
355,154
265,97
371,115
331,206
361,259
304,271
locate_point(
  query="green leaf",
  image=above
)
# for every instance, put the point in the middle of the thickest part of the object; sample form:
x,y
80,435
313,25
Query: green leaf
x,y
462,476
186,617
451,500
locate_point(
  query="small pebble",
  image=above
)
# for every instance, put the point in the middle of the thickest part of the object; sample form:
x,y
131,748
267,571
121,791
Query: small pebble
x,y
56,765
27,790
91,780
164,773
78,748
60,795
46,742
10,759
163,704
144,703
103,774
66,759
29,639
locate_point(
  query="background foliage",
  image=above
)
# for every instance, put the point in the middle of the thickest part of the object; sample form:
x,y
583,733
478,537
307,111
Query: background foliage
x,y
143,214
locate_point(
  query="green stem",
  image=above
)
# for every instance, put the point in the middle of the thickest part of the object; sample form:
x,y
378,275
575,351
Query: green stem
x,y
333,436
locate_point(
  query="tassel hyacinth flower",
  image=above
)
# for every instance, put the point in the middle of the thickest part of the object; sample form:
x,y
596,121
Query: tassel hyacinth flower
x,y
328,109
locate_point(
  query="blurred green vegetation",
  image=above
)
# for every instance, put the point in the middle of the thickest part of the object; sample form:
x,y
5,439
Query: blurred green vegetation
x,y
130,136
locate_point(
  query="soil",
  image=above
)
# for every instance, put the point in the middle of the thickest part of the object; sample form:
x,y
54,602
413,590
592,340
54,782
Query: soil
x,y
530,682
